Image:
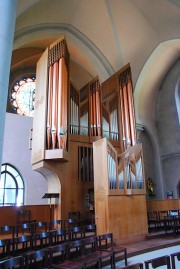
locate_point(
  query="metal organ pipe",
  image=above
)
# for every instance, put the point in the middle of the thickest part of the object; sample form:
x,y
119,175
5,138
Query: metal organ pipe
x,y
98,113
94,113
60,89
122,118
54,104
127,123
49,108
111,171
64,114
131,112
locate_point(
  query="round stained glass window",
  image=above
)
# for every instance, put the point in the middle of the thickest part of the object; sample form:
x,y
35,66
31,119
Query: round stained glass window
x,y
23,96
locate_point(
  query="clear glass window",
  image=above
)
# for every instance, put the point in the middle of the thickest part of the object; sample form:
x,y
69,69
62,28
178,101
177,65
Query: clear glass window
x,y
11,186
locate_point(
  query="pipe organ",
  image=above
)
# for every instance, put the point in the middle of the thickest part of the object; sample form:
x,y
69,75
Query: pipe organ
x,y
91,113
87,137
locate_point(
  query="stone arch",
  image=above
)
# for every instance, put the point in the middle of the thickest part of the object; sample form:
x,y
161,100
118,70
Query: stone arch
x,y
145,94
81,48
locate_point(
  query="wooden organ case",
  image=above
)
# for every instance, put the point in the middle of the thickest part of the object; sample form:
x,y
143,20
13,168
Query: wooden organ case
x,y
87,138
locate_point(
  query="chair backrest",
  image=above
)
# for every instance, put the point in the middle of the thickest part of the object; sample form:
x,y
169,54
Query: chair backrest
x,y
76,232
15,262
74,215
22,244
23,215
152,215
90,230
8,230
58,253
175,257
23,228
41,226
105,240
5,247
75,248
60,236
54,225
159,261
90,244
133,266
162,214
38,258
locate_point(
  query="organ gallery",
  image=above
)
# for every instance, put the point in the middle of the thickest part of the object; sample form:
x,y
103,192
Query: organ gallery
x,y
86,139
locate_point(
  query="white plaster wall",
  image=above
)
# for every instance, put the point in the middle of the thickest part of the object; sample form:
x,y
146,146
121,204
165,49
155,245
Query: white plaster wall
x,y
16,152
168,128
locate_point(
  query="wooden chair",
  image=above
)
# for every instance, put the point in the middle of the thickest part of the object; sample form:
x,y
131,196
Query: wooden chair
x,y
76,232
14,262
7,231
69,223
153,223
77,253
133,266
5,245
158,262
90,230
41,226
58,255
24,216
54,225
106,243
175,257
162,216
42,240
91,243
74,215
24,229
38,259
60,236
22,244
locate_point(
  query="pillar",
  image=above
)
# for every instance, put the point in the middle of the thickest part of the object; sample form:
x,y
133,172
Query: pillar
x,y
7,26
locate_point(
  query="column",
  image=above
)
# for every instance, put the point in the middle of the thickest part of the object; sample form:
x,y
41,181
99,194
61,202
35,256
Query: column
x,y
7,27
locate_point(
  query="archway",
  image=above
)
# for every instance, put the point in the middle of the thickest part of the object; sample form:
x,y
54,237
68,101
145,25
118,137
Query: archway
x,y
146,91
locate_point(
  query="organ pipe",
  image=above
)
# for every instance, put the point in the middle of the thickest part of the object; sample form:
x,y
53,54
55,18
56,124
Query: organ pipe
x,y
95,109
74,109
126,114
49,110
54,105
127,109
131,112
57,97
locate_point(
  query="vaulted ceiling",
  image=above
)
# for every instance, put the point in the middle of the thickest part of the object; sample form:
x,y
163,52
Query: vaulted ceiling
x,y
103,36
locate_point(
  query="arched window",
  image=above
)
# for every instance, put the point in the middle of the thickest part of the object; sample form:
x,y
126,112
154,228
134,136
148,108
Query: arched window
x,y
11,186
22,95
177,98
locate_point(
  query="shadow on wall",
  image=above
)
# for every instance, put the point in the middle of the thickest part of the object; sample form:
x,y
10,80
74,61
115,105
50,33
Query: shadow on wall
x,y
178,189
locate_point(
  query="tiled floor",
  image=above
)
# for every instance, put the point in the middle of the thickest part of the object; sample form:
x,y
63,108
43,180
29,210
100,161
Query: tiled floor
x,y
150,248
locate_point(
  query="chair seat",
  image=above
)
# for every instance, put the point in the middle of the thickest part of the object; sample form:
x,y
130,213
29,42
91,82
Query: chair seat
x,y
89,259
69,264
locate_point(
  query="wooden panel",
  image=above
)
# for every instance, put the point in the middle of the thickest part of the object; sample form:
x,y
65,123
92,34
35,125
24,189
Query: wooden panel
x,y
128,218
9,213
163,204
100,166
101,216
39,120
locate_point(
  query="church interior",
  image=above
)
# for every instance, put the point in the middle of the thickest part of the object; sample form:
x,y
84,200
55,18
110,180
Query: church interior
x,y
104,136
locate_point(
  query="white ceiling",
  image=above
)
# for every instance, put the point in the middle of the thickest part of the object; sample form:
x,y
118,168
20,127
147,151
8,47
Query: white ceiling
x,y
104,35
